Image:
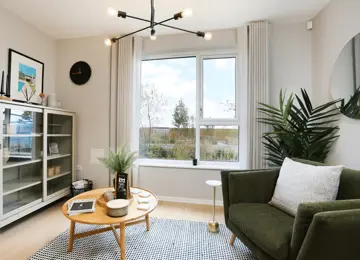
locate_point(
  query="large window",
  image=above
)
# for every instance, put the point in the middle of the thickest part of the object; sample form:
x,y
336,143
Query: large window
x,y
188,109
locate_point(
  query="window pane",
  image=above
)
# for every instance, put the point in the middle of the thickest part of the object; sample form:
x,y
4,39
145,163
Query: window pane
x,y
219,83
219,143
168,104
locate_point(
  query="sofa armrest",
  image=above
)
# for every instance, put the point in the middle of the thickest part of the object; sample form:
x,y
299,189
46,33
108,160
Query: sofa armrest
x,y
333,235
249,186
305,216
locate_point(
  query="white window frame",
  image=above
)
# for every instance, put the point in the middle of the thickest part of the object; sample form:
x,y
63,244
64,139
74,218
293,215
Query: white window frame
x,y
200,57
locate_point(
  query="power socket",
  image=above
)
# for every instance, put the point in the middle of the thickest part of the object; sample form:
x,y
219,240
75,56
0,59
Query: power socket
x,y
79,167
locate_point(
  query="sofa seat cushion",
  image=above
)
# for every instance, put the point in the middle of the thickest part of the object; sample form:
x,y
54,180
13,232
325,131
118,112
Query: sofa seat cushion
x,y
266,226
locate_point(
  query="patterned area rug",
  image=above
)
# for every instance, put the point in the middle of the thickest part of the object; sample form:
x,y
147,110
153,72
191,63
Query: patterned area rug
x,y
167,240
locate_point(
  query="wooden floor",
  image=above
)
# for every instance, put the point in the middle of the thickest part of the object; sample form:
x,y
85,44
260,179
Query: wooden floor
x,y
23,238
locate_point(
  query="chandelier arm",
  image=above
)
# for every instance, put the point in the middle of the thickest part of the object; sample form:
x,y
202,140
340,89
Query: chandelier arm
x,y
177,28
161,23
143,29
126,35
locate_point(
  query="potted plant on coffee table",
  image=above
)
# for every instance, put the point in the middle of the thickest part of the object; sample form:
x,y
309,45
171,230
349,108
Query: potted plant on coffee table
x,y
119,162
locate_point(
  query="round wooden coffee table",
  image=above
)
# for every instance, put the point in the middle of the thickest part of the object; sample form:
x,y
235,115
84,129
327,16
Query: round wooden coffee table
x,y
99,217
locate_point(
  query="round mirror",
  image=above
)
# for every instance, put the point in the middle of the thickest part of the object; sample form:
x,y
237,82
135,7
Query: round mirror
x,y
345,81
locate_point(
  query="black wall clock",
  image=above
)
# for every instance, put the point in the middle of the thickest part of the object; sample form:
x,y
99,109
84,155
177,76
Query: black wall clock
x,y
80,73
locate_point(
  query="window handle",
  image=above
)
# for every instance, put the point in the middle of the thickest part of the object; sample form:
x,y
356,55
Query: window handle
x,y
201,112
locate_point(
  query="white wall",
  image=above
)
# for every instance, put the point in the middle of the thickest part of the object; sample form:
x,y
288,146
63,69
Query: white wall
x,y
23,37
90,101
290,60
334,27
181,185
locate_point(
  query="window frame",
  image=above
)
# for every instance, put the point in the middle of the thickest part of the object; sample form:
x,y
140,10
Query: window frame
x,y
200,121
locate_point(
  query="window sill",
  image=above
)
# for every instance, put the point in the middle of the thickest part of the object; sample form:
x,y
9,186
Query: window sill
x,y
220,166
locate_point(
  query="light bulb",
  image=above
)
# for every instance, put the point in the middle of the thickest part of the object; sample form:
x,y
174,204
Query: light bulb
x,y
112,11
153,35
186,13
108,42
208,36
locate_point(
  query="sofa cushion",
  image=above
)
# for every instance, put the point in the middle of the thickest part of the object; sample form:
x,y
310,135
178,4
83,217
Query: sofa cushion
x,y
299,183
266,226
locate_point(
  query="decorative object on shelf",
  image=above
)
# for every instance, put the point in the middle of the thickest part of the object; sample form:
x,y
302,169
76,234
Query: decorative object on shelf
x,y
304,132
117,208
6,155
52,101
195,162
213,226
57,170
43,98
80,73
119,162
53,148
51,171
2,90
152,24
26,77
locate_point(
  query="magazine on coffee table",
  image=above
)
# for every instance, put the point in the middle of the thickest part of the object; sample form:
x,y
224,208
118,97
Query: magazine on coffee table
x,y
81,206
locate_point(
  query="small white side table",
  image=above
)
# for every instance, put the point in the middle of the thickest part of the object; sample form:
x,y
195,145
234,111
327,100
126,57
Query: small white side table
x,y
213,225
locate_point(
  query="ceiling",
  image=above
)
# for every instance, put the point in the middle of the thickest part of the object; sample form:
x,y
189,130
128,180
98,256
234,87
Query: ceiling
x,y
80,18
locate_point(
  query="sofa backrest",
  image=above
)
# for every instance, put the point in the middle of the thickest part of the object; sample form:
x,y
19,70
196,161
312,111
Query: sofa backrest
x,y
349,187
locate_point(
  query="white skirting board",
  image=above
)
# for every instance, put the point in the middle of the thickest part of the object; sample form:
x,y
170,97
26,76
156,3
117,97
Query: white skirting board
x,y
190,201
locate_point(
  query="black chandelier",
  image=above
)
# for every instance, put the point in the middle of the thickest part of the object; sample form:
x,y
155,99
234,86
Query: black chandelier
x,y
186,13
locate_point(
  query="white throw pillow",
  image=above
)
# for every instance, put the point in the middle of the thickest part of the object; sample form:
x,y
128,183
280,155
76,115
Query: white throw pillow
x,y
299,183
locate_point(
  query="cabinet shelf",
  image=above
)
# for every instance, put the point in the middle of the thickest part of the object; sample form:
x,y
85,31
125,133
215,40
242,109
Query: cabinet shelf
x,y
58,176
22,135
59,135
57,156
17,164
14,207
20,184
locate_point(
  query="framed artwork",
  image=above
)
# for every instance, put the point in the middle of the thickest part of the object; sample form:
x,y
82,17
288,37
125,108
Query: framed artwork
x,y
26,78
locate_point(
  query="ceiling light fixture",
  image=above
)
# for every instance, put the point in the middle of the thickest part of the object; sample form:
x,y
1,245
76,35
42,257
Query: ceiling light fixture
x,y
185,13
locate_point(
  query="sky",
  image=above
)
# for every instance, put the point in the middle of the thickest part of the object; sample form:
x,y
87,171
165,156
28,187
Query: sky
x,y
175,79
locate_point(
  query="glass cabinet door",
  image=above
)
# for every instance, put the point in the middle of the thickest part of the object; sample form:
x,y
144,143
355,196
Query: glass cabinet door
x,y
22,154
59,152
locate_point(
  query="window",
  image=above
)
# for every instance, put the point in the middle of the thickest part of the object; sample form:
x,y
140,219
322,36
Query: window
x,y
188,109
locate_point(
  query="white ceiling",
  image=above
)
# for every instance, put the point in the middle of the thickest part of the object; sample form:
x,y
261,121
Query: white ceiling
x,y
79,18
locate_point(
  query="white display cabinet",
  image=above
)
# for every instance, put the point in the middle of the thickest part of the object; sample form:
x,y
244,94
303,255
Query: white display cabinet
x,y
38,158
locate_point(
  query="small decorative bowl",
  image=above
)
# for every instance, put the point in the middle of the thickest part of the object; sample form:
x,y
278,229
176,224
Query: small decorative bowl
x,y
117,208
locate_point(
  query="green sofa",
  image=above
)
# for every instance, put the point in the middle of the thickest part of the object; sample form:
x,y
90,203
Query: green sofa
x,y
320,231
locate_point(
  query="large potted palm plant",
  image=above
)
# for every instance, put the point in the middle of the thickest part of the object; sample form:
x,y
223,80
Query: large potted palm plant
x,y
298,129
119,162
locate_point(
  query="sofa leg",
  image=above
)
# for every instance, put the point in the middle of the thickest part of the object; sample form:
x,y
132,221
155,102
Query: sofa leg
x,y
232,240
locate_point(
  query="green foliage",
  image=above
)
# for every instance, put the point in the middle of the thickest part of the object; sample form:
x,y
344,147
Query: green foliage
x,y
181,115
303,132
119,161
352,108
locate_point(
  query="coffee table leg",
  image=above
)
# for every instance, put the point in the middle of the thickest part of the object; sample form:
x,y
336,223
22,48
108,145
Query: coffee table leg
x,y
147,218
71,236
122,242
